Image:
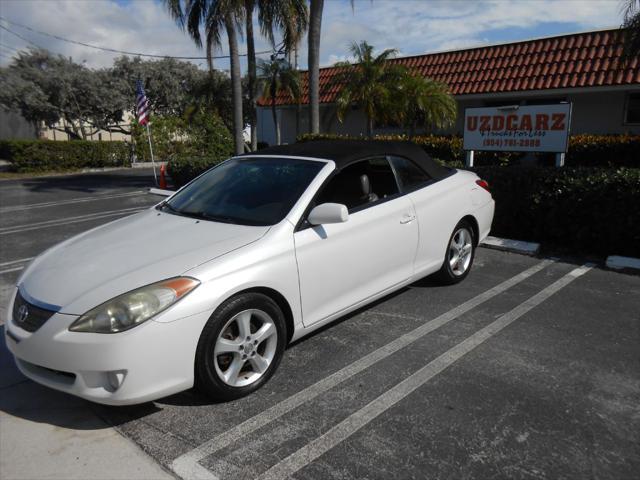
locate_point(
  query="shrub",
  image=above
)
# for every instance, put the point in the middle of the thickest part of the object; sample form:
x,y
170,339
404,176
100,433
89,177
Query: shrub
x,y
43,155
604,151
200,134
191,144
589,210
584,150
184,169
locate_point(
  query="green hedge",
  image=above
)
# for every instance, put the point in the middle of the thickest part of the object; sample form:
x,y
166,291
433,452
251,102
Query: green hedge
x,y
198,135
585,210
190,143
183,170
584,150
49,155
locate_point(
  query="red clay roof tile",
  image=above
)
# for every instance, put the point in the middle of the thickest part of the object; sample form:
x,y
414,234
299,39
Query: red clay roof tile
x,y
585,59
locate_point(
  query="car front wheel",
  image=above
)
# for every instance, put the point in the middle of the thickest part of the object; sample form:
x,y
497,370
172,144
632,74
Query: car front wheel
x,y
459,256
240,347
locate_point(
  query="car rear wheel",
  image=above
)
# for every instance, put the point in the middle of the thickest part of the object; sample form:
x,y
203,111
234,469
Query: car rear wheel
x,y
240,347
459,256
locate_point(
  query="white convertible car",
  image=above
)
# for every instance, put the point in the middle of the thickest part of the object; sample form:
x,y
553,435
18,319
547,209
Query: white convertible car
x,y
208,287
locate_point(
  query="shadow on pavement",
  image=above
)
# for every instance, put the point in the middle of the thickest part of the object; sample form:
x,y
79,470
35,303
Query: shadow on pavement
x,y
91,182
25,399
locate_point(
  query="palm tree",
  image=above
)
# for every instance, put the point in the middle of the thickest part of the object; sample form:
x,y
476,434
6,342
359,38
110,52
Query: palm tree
x,y
631,26
249,6
420,101
291,19
315,24
276,76
368,84
216,16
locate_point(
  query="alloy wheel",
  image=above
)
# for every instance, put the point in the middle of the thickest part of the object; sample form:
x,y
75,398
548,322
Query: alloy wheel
x,y
460,250
245,348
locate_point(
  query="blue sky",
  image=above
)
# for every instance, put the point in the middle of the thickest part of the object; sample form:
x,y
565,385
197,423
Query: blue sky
x,y
411,26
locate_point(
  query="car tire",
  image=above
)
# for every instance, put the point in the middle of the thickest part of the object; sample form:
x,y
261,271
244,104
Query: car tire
x,y
459,254
240,347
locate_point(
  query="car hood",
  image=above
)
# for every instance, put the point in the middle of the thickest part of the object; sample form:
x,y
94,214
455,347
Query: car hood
x,y
93,267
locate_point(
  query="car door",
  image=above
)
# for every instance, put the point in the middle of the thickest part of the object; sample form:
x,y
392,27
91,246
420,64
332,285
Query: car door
x,y
342,264
437,206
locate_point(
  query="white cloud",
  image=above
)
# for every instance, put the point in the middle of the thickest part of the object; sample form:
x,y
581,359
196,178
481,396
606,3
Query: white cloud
x,y
420,26
412,26
138,26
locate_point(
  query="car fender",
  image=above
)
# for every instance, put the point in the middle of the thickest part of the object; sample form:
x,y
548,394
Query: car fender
x,y
267,263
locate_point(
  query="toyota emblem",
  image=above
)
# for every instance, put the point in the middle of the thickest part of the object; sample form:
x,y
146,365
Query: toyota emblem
x,y
23,313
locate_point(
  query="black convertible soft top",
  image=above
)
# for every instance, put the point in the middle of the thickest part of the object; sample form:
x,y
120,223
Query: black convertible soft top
x,y
344,152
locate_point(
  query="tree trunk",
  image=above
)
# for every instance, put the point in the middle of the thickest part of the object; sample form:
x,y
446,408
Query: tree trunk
x,y
369,127
276,125
252,74
274,111
37,128
315,24
236,84
298,105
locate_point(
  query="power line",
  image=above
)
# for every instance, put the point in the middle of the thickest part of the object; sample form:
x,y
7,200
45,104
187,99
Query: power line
x,y
21,37
112,50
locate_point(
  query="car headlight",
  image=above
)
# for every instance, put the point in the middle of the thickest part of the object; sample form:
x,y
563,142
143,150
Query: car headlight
x,y
134,307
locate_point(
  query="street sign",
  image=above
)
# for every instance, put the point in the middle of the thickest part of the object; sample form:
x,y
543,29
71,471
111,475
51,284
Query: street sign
x,y
516,128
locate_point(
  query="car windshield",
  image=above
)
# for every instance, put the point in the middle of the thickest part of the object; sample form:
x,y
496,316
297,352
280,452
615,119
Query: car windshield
x,y
245,191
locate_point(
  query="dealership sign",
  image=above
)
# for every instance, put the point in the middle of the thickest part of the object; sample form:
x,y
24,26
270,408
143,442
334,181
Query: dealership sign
x,y
534,128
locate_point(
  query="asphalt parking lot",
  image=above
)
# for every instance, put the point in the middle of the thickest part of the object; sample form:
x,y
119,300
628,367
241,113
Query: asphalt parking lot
x,y
528,369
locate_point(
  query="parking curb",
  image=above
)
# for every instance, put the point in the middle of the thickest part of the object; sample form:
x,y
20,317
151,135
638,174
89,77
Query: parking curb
x,y
616,262
508,245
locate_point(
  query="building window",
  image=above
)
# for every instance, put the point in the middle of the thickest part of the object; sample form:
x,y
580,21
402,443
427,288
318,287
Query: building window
x,y
632,110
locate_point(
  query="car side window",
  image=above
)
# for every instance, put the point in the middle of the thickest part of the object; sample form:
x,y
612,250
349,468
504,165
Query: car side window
x,y
360,184
409,174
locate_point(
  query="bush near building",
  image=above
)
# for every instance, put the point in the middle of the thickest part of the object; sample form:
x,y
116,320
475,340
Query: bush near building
x,y
49,155
191,144
585,210
184,169
584,150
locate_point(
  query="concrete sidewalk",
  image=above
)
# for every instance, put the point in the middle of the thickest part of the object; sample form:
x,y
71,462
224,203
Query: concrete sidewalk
x,y
47,434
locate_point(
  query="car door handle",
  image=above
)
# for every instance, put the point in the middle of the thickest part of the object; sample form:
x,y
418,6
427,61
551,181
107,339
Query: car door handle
x,y
407,218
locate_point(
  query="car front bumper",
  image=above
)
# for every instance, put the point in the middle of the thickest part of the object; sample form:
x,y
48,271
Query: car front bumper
x,y
145,363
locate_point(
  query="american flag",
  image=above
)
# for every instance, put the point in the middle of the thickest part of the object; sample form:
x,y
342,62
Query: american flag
x,y
142,104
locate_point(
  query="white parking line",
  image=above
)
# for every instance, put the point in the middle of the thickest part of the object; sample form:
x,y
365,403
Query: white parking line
x,y
384,402
12,265
15,269
12,262
68,220
93,198
187,466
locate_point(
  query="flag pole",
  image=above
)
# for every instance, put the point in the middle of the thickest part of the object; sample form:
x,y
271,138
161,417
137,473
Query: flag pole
x,y
153,163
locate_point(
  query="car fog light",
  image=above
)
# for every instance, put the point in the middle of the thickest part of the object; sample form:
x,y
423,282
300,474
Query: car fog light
x,y
116,378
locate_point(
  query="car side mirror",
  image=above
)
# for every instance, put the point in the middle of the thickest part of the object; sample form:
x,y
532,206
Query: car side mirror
x,y
328,213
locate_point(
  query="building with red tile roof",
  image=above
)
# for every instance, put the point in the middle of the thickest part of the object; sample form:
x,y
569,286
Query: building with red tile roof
x,y
582,68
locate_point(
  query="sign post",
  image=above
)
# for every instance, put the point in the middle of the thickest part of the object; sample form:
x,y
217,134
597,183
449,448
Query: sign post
x,y
468,160
516,128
